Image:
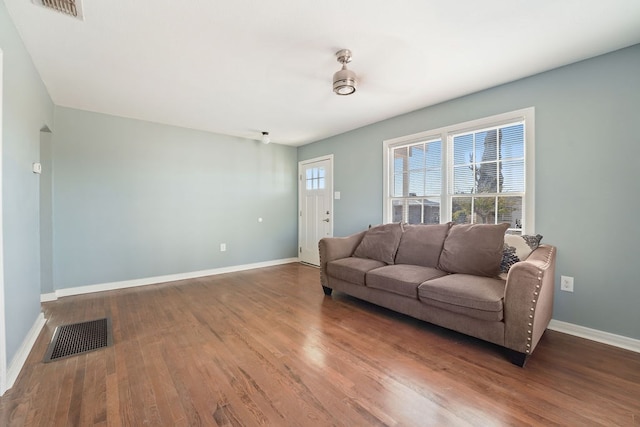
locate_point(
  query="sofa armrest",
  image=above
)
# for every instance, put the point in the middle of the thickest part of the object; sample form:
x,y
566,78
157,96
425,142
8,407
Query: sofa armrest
x,y
528,299
332,248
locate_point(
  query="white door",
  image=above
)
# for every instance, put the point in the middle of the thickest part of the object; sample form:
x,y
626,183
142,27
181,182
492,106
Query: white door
x,y
316,206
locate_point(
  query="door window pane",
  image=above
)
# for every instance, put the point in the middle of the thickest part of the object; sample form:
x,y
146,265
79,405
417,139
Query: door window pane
x,y
315,178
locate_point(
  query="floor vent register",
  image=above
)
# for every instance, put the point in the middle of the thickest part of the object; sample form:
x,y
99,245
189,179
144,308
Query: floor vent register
x,y
79,338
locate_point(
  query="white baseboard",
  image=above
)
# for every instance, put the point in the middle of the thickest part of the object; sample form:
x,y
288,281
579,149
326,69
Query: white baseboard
x,y
23,352
159,279
48,297
595,335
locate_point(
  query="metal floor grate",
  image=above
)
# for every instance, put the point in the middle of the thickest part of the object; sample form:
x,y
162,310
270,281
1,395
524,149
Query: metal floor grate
x,y
78,338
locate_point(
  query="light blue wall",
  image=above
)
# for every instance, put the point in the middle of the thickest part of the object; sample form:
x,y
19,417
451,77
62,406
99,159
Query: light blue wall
x,y
46,214
26,109
135,199
587,185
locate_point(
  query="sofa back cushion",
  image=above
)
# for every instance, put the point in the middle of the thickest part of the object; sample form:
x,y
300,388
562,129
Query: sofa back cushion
x,y
421,244
473,249
380,243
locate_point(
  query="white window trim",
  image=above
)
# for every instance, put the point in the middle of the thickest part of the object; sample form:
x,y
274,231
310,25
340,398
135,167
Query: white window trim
x,y
445,135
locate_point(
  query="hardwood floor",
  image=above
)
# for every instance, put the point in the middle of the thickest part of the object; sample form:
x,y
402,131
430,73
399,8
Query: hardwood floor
x,y
266,347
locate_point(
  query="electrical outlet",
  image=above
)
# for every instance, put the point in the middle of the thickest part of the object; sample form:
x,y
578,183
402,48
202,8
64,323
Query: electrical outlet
x,y
223,247
566,283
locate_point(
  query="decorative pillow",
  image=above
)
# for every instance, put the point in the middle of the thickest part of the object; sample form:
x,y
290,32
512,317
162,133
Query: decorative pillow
x,y
473,249
421,244
380,243
516,249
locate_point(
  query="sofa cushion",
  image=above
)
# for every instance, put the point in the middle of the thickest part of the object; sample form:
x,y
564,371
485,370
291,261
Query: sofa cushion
x,y
473,249
421,244
476,296
402,279
517,248
352,269
380,243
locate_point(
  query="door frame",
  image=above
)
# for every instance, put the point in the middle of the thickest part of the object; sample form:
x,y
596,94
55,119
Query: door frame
x,y
3,335
301,165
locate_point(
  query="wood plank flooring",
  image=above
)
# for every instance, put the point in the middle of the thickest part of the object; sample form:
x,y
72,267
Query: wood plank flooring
x,y
266,347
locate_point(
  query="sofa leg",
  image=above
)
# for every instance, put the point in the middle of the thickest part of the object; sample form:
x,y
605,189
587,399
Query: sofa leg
x,y
517,358
327,290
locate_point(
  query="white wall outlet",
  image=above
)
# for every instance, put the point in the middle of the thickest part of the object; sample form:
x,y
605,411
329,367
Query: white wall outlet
x,y
223,247
36,167
566,283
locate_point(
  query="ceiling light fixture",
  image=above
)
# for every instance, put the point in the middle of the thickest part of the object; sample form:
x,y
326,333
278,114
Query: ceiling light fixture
x,y
265,138
344,81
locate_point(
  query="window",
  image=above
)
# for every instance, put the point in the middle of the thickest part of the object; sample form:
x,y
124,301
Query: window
x,y
315,178
478,172
417,182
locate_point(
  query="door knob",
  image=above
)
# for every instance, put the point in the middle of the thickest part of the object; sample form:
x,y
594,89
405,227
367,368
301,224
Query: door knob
x,y
326,220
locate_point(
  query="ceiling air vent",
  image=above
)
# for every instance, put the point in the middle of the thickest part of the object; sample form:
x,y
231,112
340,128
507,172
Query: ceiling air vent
x,y
68,7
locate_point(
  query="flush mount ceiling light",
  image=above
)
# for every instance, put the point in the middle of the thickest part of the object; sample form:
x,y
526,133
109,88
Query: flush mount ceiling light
x,y
344,81
265,138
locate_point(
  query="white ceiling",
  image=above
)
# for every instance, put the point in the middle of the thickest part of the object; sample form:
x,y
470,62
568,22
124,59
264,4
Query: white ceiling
x,y
243,66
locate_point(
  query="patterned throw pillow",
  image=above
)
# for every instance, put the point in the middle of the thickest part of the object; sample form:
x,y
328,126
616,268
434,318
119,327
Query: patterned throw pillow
x,y
516,249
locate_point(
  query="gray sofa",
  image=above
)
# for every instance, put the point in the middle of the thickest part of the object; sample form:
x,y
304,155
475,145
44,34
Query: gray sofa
x,y
449,275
